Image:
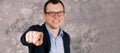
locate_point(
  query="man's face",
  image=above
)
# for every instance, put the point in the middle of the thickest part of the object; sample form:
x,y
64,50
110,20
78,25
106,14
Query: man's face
x,y
54,15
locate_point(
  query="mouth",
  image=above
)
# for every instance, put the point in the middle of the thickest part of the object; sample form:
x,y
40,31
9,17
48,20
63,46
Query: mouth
x,y
56,21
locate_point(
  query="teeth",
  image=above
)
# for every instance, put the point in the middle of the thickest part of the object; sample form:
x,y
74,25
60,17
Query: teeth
x,y
55,21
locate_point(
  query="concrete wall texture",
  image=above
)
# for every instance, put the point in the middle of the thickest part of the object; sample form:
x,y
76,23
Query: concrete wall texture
x,y
93,25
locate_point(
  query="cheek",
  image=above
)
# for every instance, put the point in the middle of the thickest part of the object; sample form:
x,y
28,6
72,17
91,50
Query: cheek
x,y
47,18
62,18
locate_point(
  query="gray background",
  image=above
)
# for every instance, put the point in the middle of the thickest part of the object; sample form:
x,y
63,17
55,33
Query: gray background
x,y
93,25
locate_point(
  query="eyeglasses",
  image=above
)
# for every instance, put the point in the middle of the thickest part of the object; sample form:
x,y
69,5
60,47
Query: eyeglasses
x,y
60,13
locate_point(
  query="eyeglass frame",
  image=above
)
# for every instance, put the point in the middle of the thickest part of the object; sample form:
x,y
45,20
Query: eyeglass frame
x,y
51,13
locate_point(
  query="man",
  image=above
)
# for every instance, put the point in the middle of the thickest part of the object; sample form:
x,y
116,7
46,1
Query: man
x,y
48,38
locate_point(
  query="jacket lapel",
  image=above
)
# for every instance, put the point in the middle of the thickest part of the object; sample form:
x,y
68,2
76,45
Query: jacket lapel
x,y
47,43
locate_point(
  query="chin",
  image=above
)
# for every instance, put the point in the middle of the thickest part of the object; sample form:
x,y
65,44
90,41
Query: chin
x,y
56,27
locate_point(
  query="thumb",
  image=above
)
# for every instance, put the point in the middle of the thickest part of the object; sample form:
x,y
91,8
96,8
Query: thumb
x,y
39,43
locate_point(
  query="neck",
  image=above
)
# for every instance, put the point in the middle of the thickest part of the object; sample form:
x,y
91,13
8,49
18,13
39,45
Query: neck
x,y
54,31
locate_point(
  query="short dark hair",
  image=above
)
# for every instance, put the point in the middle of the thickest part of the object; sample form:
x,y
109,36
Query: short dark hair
x,y
53,2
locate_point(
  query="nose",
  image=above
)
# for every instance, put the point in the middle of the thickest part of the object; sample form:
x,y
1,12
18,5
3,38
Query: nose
x,y
56,16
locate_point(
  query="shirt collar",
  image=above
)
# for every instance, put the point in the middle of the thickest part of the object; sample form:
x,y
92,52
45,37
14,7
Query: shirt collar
x,y
60,33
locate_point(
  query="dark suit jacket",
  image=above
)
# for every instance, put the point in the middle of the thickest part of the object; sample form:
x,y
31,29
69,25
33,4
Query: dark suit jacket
x,y
45,47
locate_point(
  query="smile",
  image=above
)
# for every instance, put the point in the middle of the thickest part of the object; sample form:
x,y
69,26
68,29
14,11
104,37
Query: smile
x,y
56,21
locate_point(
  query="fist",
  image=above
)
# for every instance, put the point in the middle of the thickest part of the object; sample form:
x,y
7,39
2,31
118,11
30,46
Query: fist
x,y
34,37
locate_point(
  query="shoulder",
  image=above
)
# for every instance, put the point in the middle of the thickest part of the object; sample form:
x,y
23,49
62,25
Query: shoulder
x,y
66,34
66,37
35,27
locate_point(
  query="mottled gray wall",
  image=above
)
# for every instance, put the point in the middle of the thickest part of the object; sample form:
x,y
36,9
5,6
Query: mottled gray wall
x,y
92,24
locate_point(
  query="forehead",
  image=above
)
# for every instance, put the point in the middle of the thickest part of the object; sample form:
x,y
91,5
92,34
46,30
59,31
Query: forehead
x,y
54,7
